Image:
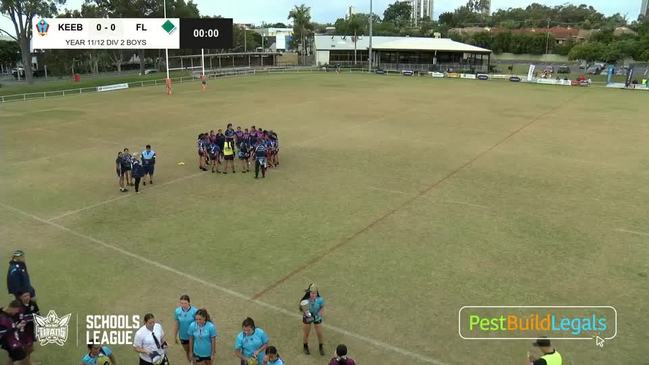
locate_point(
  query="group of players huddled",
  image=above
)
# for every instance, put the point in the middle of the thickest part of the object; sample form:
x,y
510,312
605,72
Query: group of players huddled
x,y
219,150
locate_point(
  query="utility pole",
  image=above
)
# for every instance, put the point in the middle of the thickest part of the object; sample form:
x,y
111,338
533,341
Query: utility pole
x,y
547,39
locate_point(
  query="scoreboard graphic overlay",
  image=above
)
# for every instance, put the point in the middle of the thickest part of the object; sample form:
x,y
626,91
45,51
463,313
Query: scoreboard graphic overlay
x,y
131,33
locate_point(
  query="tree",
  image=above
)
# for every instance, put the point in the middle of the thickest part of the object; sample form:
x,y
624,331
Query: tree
x,y
589,52
9,52
302,26
21,13
399,14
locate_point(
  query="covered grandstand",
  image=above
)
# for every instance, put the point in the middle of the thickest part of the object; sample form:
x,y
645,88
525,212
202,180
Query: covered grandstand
x,y
398,53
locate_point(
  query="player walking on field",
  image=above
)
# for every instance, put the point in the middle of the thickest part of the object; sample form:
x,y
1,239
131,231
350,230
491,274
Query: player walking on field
x,y
251,343
312,307
202,338
184,315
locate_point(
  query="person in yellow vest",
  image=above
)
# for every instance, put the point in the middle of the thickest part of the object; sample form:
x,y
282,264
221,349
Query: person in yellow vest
x,y
550,356
228,155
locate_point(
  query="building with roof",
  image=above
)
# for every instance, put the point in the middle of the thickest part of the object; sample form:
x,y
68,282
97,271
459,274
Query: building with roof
x,y
282,36
398,53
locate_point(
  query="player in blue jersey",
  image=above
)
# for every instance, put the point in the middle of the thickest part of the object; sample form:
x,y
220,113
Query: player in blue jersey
x,y
120,174
251,343
243,153
97,354
260,152
272,357
184,315
312,307
202,338
214,152
126,166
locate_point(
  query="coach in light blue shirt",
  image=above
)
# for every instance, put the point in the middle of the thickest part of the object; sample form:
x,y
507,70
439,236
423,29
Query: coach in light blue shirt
x,y
148,162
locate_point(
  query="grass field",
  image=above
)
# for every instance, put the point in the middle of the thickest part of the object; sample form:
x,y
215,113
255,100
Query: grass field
x,y
403,198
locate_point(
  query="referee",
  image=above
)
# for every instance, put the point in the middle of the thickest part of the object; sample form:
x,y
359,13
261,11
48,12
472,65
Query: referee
x,y
148,162
550,356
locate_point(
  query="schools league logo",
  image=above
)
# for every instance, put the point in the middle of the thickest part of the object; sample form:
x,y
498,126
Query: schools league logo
x,y
52,329
42,27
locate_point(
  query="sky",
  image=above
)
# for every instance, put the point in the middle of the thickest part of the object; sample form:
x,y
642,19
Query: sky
x,y
274,11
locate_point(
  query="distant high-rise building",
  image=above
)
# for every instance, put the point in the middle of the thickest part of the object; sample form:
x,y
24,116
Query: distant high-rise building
x,y
351,11
644,9
487,8
421,9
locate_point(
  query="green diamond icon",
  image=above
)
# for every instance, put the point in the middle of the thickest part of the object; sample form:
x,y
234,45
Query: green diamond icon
x,y
168,26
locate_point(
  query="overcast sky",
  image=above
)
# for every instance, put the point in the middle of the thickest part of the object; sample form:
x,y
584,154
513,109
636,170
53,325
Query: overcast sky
x,y
272,11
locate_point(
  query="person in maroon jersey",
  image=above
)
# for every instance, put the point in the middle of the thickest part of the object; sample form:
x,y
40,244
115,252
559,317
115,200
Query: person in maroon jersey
x,y
28,334
341,357
9,332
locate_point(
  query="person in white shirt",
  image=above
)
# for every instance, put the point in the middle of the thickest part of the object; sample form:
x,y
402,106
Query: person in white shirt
x,y
150,342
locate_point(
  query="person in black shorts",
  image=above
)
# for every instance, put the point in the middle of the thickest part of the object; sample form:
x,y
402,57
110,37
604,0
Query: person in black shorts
x,y
120,174
148,162
126,165
138,173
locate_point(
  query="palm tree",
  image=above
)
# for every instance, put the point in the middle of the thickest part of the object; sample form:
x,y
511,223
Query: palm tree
x,y
302,26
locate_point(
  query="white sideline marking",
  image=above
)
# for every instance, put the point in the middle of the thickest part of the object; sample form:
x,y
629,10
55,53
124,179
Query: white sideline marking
x,y
378,344
632,232
463,203
71,212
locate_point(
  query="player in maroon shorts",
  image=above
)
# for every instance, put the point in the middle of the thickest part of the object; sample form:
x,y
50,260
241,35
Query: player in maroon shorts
x,y
9,330
28,334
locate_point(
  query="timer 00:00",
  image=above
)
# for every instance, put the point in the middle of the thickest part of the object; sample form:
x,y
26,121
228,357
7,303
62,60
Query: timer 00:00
x,y
211,33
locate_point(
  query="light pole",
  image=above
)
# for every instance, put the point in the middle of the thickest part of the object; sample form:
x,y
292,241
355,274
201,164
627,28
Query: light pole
x,y
164,2
245,40
370,58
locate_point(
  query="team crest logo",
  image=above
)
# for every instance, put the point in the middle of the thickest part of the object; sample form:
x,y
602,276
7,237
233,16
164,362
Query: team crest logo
x,y
42,27
52,329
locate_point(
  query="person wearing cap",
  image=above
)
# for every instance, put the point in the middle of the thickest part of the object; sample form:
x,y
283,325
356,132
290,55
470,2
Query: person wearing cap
x,y
138,173
148,162
550,356
18,281
340,357
312,306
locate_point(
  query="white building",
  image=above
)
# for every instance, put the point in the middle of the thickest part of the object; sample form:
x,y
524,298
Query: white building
x,y
421,9
282,36
397,53
644,9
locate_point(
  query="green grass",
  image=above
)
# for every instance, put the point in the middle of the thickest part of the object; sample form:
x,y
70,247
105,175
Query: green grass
x,y
57,84
375,200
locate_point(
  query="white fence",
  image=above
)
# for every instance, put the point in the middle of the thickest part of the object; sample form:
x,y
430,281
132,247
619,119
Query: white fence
x,y
210,74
